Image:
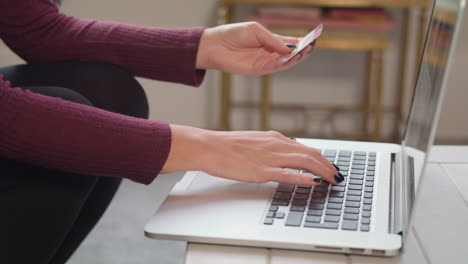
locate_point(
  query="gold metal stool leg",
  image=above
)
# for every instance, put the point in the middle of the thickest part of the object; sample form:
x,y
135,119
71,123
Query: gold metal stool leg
x,y
265,103
225,101
366,105
378,96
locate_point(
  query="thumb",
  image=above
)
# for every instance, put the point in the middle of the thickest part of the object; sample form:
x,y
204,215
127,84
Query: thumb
x,y
270,41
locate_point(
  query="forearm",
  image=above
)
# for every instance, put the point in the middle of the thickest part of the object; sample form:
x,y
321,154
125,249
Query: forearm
x,y
54,133
38,32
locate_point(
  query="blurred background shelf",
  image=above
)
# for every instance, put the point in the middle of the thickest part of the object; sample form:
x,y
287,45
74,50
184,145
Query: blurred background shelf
x,y
368,33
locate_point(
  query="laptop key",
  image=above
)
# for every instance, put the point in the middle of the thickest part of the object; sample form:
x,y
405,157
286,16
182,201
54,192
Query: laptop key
x,y
315,212
370,173
355,193
366,214
368,195
370,178
280,215
355,182
371,159
353,204
334,206
271,214
338,188
299,202
354,171
351,217
327,225
356,177
332,218
333,212
335,200
358,167
355,187
359,158
345,153
321,189
268,221
359,162
337,194
372,154
365,221
283,195
349,225
298,208
369,189
371,163
370,168
273,208
369,184
350,210
302,190
342,184
285,188
367,201
360,153
301,196
365,228
316,206
317,200
367,207
280,202
344,159
294,218
353,198
313,219
342,164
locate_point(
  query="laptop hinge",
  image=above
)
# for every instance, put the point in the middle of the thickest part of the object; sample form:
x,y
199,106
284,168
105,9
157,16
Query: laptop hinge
x,y
396,221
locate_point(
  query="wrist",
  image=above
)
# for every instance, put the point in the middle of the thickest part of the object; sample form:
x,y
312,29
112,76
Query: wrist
x,y
203,55
189,149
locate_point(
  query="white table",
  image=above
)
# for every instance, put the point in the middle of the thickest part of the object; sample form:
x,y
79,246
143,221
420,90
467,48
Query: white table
x,y
439,235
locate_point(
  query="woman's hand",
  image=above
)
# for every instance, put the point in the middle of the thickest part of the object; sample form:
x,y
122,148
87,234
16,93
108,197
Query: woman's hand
x,y
246,48
246,156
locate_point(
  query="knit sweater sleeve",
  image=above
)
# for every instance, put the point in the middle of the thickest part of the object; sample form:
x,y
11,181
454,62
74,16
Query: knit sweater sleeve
x,y
36,31
54,133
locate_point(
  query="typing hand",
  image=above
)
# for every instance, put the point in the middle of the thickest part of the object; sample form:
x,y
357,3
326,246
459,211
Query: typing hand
x,y
246,156
246,48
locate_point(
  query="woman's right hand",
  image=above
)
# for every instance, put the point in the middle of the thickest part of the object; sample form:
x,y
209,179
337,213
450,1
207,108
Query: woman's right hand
x,y
246,156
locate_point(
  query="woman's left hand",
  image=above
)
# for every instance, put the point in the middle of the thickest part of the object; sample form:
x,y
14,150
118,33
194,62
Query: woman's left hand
x,y
246,48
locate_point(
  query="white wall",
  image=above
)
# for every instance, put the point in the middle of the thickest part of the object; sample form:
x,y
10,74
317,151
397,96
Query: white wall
x,y
326,77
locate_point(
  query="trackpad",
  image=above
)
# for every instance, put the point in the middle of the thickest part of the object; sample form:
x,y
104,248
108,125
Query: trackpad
x,y
205,183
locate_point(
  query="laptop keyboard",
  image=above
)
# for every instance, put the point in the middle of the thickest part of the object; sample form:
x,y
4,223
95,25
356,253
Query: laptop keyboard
x,y
346,206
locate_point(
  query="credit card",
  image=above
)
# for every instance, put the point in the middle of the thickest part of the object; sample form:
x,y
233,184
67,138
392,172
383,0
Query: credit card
x,y
306,41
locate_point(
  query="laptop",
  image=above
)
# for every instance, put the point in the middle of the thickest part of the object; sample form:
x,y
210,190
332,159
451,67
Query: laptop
x,y
369,213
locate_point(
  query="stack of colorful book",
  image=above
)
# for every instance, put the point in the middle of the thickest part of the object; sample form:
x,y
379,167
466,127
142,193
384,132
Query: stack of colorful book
x,y
303,19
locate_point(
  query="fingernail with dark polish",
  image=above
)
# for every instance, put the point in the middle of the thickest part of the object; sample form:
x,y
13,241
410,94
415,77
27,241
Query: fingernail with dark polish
x,y
289,45
336,167
317,179
293,138
339,177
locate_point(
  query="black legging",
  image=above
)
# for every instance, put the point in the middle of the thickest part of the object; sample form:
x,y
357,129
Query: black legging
x,y
46,213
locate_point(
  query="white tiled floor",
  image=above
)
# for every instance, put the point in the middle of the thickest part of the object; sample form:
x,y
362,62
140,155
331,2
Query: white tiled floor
x,y
118,237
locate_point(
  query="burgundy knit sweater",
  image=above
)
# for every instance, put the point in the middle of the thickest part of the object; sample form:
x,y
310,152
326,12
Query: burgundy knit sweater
x,y
54,133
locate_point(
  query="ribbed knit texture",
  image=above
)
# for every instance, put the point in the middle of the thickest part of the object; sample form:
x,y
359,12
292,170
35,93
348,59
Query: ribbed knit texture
x,y
54,133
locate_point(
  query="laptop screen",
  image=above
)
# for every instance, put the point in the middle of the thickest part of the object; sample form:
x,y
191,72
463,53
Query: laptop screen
x,y
430,80
428,94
